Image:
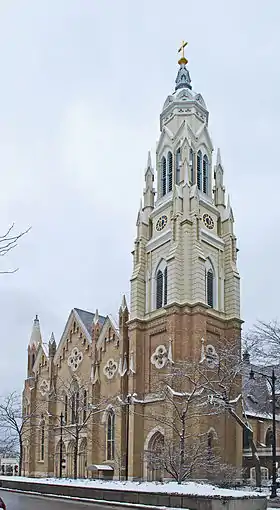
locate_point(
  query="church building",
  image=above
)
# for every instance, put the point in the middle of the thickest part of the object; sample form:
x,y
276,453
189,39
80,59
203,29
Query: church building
x,y
92,401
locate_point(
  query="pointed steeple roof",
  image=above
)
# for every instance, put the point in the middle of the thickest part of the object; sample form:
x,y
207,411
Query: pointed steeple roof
x,y
52,339
35,338
96,317
219,160
140,214
124,303
149,162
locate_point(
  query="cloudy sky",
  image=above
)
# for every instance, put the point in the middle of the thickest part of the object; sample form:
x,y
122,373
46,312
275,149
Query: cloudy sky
x,y
82,85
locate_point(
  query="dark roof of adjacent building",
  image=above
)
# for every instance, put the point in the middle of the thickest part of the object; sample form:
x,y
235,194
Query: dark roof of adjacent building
x,y
257,391
88,317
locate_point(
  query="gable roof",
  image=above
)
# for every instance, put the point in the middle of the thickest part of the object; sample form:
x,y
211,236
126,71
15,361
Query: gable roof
x,y
87,319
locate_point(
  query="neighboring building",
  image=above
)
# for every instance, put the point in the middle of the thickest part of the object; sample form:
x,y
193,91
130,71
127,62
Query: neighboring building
x,y
184,287
257,397
9,466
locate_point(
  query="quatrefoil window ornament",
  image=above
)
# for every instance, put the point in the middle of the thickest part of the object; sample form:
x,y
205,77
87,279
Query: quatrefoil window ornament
x,y
75,359
110,368
160,357
44,387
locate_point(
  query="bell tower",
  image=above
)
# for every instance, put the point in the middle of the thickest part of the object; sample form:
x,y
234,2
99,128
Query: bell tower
x,y
185,248
185,281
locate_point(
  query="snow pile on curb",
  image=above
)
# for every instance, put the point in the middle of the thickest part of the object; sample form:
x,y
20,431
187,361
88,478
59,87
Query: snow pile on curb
x,y
188,488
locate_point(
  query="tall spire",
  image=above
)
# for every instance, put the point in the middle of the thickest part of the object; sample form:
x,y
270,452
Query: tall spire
x,y
183,79
36,337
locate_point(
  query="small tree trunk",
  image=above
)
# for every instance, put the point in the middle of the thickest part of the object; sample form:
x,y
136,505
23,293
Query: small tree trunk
x,y
20,456
182,450
257,463
76,446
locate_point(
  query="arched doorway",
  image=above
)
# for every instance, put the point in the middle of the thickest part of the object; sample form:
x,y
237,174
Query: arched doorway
x,y
70,459
82,458
57,459
154,452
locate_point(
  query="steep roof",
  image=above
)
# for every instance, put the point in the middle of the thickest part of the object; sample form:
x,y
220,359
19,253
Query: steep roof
x,y
87,319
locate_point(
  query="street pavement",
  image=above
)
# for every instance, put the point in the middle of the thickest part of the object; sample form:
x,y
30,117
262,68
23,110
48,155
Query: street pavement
x,y
17,501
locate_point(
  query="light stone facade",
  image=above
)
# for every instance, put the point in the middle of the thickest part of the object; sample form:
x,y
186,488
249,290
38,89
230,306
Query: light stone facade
x,y
184,287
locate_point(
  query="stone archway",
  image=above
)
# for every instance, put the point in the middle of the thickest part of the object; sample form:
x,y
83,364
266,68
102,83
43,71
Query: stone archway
x,y
70,459
154,443
82,458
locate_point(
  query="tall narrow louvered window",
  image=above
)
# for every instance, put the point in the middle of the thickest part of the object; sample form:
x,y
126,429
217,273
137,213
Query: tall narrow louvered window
x,y
210,287
165,287
65,408
85,406
163,176
205,175
191,167
111,436
42,441
170,165
73,405
178,161
198,166
159,284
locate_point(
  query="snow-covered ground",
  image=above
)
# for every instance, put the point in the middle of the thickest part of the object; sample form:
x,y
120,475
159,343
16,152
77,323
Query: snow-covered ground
x,y
192,488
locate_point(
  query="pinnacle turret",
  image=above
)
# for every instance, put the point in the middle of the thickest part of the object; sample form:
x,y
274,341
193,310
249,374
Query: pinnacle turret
x,y
52,346
149,192
35,338
219,189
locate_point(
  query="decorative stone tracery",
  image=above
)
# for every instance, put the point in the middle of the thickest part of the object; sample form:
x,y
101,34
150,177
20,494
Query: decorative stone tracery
x,y
110,368
44,387
160,357
75,359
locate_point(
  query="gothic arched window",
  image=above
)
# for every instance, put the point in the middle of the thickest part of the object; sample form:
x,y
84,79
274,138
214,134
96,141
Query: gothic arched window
x,y
111,436
191,167
159,286
170,168
85,406
65,408
178,161
165,286
198,166
42,440
210,287
163,176
205,180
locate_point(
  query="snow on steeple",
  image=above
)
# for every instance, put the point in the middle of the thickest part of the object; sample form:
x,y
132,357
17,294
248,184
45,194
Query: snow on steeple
x,y
36,337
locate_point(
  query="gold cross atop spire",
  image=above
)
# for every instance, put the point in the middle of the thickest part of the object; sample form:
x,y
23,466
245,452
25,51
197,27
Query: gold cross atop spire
x,y
182,59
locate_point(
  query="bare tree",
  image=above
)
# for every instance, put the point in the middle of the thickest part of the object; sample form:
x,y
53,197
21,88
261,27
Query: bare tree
x,y
16,424
8,242
183,405
263,341
78,408
222,378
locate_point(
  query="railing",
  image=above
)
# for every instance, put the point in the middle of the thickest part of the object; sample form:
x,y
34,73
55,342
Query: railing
x,y
262,452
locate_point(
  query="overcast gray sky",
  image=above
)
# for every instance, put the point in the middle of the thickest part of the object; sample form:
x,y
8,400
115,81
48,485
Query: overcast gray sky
x,y
82,86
